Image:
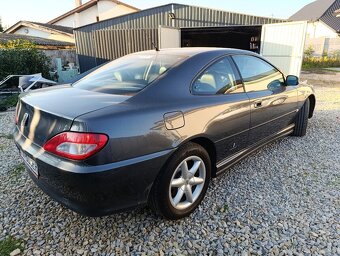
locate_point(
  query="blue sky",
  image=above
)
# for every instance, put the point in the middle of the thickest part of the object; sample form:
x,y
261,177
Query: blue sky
x,y
45,10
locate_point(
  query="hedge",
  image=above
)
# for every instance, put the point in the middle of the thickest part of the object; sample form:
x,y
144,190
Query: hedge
x,y
320,62
21,57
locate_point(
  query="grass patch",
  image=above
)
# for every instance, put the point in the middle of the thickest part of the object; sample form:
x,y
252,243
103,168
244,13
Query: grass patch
x,y
313,176
307,192
7,136
224,208
335,182
17,171
320,62
48,237
9,244
8,102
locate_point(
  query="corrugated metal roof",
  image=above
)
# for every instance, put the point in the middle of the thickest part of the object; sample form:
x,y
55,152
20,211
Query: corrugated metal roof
x,y
186,16
330,18
43,26
324,10
4,37
337,12
68,30
312,11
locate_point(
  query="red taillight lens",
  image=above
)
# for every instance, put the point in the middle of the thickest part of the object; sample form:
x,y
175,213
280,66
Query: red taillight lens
x,y
75,145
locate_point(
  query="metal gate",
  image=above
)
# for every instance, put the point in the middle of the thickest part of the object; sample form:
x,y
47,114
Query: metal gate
x,y
283,45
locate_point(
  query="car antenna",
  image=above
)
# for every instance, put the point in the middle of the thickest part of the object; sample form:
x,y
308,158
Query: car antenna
x,y
155,46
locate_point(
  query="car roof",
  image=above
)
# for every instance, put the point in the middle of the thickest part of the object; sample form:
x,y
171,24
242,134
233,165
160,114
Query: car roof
x,y
191,51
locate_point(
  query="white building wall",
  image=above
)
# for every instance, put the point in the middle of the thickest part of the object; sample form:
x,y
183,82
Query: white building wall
x,y
69,21
28,31
319,29
79,19
87,17
104,9
32,32
108,9
322,39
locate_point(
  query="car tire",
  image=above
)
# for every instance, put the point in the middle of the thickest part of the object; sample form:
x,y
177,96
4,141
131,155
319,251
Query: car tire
x,y
301,120
175,194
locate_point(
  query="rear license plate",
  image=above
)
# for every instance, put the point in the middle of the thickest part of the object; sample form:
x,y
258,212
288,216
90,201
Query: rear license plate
x,y
30,164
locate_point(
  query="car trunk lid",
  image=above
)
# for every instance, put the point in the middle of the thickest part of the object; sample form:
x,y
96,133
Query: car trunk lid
x,y
45,113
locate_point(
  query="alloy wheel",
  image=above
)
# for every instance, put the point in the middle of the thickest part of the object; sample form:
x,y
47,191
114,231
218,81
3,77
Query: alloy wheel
x,y
187,182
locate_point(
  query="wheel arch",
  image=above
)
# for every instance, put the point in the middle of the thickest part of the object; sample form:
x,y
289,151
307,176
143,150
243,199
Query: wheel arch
x,y
205,143
312,102
209,146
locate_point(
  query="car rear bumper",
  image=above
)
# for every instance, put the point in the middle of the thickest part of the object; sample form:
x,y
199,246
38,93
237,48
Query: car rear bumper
x,y
93,190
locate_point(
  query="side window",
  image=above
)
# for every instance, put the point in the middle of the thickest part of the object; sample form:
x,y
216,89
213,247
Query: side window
x,y
219,78
258,75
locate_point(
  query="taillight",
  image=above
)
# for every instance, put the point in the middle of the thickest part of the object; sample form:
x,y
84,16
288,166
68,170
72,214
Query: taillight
x,y
76,145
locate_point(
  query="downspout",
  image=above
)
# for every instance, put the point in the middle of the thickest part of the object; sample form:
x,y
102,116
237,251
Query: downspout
x,y
172,20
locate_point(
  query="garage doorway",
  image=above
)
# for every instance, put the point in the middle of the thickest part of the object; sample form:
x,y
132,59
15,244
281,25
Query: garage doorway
x,y
240,37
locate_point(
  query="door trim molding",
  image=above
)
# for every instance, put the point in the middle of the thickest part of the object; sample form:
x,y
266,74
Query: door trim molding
x,y
225,164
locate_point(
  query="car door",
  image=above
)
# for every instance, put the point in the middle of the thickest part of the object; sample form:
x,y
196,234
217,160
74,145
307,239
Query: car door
x,y
220,90
273,104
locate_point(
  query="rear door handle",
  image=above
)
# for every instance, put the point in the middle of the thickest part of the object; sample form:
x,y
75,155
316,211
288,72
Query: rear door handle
x,y
258,104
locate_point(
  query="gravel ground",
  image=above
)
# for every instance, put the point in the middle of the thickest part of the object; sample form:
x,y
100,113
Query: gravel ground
x,y
282,200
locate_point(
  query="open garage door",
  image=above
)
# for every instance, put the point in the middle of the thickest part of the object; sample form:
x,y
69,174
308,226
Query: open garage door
x,y
283,45
169,37
240,37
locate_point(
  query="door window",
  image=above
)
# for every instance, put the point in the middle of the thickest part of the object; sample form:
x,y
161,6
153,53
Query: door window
x,y
219,78
258,75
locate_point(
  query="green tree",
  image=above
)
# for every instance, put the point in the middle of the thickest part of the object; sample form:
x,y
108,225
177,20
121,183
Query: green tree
x,y
21,57
309,52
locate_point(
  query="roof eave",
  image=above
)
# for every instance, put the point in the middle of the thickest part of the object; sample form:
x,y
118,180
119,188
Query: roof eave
x,y
12,28
75,10
85,7
165,5
19,24
127,5
38,41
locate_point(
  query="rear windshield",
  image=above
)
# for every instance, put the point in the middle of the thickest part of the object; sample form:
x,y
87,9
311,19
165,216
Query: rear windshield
x,y
129,74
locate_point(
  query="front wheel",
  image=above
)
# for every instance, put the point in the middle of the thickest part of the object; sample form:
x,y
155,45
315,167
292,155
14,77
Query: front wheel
x,y
301,120
183,182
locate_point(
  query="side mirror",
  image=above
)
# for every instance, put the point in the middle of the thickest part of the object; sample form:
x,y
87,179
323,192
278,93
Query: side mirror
x,y
292,80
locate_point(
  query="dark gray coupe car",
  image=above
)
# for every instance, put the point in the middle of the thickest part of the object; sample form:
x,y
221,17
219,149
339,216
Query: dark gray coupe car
x,y
154,127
